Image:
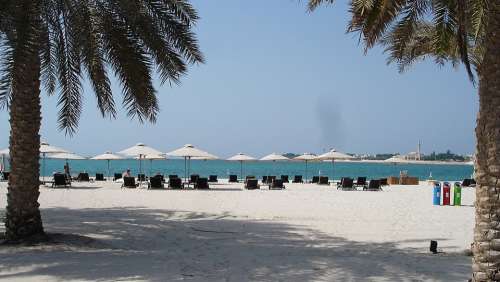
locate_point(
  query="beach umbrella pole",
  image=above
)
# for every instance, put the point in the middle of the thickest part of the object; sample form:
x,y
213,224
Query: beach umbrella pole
x,y
185,169
333,162
241,169
306,172
108,169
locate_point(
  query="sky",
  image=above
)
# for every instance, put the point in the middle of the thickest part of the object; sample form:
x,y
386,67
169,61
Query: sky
x,y
280,79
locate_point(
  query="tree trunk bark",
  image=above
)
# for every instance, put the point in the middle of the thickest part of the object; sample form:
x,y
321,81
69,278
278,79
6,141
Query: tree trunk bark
x,y
23,220
486,246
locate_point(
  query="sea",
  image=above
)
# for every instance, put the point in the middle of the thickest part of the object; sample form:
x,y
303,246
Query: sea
x,y
222,168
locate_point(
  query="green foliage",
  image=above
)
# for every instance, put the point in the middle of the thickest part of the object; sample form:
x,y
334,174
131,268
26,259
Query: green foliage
x,y
413,30
78,39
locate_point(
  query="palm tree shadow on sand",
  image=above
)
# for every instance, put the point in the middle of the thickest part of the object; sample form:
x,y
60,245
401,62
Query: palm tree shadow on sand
x,y
159,245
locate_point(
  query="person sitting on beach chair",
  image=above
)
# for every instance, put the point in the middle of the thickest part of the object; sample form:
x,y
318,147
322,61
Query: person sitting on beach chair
x,y
126,173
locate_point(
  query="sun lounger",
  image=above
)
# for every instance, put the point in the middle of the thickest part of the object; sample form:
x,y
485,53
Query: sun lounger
x,y
252,184
248,177
141,177
360,182
193,178
83,177
297,179
117,176
59,180
175,183
323,180
5,175
99,177
467,182
284,178
315,179
212,178
277,184
347,184
383,182
264,179
129,182
156,182
233,178
373,186
201,183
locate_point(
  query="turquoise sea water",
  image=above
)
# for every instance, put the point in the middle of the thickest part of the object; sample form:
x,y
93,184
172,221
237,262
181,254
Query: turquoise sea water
x,y
224,168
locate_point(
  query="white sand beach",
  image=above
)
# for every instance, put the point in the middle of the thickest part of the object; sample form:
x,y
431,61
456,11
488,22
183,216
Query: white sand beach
x,y
306,232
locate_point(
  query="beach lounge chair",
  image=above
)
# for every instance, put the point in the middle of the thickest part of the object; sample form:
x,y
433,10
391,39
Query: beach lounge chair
x,y
360,182
141,177
467,182
99,177
252,184
59,180
156,182
323,180
170,176
117,176
5,175
201,183
212,178
284,178
297,179
83,177
276,184
373,186
271,178
248,177
264,179
347,184
315,179
129,182
175,183
233,178
383,182
194,178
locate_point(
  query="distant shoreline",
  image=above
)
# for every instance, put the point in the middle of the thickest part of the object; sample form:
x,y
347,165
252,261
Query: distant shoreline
x,y
407,162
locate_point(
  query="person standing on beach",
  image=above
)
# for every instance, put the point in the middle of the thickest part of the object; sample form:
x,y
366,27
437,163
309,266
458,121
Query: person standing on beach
x,y
67,172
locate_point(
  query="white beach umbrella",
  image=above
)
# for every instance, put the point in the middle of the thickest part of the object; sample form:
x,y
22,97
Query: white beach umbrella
x,y
274,157
139,150
241,158
306,157
334,155
46,148
4,152
188,151
151,158
207,157
66,156
108,156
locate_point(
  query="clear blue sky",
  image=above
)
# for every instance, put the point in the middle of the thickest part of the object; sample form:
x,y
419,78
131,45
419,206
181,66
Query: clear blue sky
x,y
278,79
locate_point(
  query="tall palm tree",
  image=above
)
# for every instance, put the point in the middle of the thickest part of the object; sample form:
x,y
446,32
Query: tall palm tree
x,y
57,43
455,31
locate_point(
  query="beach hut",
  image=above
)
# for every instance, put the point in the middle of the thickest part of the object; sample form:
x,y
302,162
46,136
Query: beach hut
x,y
140,151
241,158
187,152
108,156
333,155
306,157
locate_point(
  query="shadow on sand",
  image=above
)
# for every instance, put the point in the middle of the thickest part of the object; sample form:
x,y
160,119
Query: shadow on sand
x,y
161,245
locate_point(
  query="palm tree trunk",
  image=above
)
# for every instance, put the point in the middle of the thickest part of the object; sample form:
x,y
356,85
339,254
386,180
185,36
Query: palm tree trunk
x,y
486,246
23,220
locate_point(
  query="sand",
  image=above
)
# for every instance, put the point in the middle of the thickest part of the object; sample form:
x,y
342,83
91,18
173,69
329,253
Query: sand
x,y
304,233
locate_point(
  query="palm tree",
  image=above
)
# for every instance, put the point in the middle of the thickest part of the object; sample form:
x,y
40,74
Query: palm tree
x,y
57,43
455,31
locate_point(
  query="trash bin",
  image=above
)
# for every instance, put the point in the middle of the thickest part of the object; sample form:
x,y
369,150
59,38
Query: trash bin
x,y
436,198
457,194
446,194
